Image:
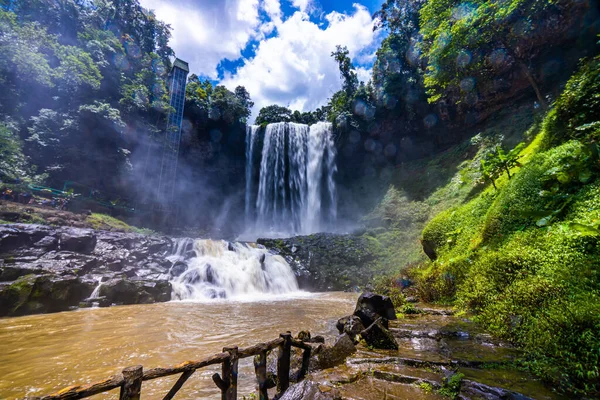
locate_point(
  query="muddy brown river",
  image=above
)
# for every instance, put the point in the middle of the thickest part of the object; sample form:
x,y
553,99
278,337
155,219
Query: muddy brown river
x,y
41,354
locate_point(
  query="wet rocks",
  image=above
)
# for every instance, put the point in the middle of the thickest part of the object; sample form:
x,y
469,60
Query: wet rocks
x,y
77,240
330,356
308,390
372,311
371,306
48,269
350,325
326,261
135,291
379,337
32,294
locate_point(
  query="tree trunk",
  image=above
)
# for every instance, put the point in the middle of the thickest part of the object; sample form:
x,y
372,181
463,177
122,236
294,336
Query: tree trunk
x,y
534,85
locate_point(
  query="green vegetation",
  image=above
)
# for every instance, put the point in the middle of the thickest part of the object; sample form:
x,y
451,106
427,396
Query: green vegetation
x,y
83,85
524,257
106,222
451,387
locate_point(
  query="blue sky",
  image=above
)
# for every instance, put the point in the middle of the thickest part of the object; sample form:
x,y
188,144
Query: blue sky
x,y
278,49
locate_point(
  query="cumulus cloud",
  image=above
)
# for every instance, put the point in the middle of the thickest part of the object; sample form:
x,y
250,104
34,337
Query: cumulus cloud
x,y
291,63
295,67
303,5
208,31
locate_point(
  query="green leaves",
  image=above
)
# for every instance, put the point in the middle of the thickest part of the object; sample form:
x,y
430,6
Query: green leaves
x,y
585,230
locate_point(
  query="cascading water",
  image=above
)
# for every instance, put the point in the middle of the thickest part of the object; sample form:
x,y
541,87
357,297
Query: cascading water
x,y
294,190
208,269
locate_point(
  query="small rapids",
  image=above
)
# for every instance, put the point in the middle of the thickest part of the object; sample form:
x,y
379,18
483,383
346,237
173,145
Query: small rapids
x,y
216,269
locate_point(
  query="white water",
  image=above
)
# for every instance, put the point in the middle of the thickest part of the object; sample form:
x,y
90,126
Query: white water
x,y
96,293
296,191
239,271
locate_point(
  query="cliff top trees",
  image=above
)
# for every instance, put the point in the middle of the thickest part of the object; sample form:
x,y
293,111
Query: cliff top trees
x,y
469,44
273,113
217,103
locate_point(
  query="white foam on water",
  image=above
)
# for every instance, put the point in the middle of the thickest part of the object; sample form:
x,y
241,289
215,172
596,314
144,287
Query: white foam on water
x,y
238,271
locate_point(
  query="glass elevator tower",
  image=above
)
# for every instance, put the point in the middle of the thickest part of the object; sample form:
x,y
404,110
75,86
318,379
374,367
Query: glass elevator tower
x,y
168,169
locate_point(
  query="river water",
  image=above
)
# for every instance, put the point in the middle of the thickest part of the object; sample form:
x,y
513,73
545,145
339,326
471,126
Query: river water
x,y
41,354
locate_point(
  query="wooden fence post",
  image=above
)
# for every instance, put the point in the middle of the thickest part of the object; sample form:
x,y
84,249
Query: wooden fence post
x,y
305,363
132,387
283,363
260,368
231,374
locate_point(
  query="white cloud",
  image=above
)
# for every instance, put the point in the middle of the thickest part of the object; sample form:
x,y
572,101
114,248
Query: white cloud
x,y
206,32
295,67
303,5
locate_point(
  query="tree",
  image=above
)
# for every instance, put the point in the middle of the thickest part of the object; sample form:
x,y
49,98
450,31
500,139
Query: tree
x,y
497,161
245,103
469,45
273,113
347,72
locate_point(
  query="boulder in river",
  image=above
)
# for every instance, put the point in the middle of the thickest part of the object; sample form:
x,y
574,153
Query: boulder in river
x,y
379,337
330,356
135,291
371,306
32,294
350,325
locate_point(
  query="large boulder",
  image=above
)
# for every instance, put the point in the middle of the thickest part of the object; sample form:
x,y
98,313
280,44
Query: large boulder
x,y
26,240
379,337
135,291
330,356
32,294
371,306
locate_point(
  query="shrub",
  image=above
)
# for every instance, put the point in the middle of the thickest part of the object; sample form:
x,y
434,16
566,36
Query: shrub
x,y
527,262
577,110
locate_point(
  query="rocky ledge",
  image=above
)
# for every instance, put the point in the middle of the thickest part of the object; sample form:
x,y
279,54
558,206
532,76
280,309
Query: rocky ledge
x,y
47,269
326,261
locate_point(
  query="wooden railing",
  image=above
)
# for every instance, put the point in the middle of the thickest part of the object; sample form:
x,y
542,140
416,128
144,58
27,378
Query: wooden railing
x,y
130,381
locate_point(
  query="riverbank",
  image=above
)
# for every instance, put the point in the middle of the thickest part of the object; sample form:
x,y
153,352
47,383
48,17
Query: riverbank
x,y
439,356
50,269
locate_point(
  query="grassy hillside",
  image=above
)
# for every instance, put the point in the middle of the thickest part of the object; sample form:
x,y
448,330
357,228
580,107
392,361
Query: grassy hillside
x,y
524,256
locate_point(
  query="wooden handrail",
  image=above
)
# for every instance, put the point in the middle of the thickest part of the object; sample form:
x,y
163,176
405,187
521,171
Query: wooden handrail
x,y
130,380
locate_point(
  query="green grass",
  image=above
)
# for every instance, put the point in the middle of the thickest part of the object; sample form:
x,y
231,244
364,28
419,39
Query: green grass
x,y
106,222
525,258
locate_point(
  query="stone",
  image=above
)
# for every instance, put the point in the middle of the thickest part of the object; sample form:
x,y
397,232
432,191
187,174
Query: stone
x,y
303,336
178,268
31,294
379,337
351,325
325,261
77,240
412,299
135,291
330,356
308,390
49,269
371,306
429,249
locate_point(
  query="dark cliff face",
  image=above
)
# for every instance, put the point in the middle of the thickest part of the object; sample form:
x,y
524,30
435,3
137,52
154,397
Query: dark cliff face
x,y
47,269
325,261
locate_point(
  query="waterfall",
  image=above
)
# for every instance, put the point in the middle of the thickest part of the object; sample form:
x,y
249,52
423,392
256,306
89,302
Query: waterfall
x,y
295,191
219,269
250,142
